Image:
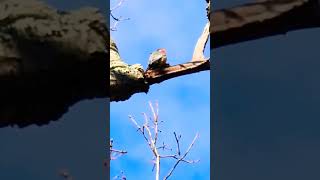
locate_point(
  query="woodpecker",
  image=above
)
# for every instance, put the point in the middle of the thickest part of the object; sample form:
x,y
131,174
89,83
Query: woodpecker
x,y
158,59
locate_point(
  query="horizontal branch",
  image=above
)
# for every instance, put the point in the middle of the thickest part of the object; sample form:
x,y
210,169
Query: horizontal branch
x,y
126,80
262,19
160,75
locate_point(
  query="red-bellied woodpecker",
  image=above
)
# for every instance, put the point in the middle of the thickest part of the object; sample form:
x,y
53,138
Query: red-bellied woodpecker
x,y
158,59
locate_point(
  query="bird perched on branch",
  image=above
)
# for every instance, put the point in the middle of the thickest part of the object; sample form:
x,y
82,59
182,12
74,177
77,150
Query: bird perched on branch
x,y
158,59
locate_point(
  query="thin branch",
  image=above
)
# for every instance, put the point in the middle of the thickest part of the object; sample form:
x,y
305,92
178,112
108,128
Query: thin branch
x,y
120,177
117,19
139,129
177,140
176,157
118,151
152,141
182,158
117,5
115,153
164,147
155,121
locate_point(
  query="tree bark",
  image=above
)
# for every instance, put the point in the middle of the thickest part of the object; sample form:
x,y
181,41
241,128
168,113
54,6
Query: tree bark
x,y
262,19
49,60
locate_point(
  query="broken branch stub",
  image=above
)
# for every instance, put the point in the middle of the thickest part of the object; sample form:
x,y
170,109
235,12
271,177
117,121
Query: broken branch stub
x,y
125,80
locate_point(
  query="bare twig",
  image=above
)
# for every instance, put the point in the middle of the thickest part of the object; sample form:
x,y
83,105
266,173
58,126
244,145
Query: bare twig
x,y
182,158
155,122
120,177
164,147
117,5
139,129
177,140
117,19
115,153
151,140
176,157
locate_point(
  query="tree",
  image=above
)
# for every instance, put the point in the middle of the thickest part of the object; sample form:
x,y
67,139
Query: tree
x,y
235,25
151,133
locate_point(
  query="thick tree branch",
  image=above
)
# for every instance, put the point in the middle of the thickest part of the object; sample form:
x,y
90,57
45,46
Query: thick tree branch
x,y
158,76
262,19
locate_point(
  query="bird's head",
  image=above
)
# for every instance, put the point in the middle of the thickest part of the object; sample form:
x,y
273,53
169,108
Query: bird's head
x,y
162,51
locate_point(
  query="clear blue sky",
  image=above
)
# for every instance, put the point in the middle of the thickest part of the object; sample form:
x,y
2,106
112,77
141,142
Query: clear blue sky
x,y
184,102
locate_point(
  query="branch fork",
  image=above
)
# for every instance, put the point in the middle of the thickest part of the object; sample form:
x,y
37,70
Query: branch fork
x,y
151,133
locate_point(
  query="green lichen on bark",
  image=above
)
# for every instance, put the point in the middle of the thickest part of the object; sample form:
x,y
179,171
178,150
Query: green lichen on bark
x,y
125,79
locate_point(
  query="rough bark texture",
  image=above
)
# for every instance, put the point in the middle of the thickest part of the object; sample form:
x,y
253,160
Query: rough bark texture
x,y
49,60
261,19
125,80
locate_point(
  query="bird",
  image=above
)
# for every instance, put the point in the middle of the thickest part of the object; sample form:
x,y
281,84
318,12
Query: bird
x,y
158,59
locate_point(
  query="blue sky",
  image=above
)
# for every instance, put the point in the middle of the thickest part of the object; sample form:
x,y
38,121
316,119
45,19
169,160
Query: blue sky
x,y
184,102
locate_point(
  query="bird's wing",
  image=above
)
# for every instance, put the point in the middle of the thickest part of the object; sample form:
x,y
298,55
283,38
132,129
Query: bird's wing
x,y
155,56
